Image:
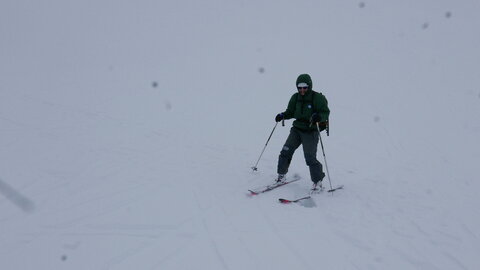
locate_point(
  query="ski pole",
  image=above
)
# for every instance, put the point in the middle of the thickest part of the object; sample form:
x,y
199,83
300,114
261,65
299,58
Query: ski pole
x,y
324,157
254,168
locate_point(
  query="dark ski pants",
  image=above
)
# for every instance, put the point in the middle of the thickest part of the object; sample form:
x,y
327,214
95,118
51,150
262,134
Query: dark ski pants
x,y
309,141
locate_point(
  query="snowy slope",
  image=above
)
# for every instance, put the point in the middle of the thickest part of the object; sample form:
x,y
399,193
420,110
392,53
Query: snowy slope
x,y
129,130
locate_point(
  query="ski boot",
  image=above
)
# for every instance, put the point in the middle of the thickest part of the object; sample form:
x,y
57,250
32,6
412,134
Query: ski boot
x,y
317,186
280,178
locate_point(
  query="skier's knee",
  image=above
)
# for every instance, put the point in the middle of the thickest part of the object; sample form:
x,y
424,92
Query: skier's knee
x,y
286,152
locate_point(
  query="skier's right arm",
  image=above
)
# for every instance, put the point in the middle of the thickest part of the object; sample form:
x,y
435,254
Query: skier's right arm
x,y
289,113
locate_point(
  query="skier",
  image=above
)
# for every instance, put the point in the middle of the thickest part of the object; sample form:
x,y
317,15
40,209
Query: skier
x,y
309,108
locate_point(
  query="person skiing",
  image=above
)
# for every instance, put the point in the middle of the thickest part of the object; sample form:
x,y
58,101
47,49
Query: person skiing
x,y
309,108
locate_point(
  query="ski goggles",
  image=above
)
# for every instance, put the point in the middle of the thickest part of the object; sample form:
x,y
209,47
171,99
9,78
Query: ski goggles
x,y
302,86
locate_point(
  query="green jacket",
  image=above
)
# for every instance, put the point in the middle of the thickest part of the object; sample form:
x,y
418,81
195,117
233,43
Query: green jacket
x,y
302,107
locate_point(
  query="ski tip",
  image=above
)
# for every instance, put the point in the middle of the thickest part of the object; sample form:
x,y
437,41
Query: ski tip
x,y
252,193
284,201
337,188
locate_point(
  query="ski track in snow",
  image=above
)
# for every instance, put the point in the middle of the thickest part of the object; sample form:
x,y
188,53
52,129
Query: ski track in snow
x,y
126,143
211,239
237,233
286,243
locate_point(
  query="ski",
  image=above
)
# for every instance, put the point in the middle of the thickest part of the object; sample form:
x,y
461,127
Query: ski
x,y
336,188
272,186
316,191
285,201
312,191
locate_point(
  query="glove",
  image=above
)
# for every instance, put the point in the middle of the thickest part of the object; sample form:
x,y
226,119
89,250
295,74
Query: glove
x,y
315,118
279,117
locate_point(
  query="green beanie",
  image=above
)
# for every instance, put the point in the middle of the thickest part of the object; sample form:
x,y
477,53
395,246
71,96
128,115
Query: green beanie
x,y
304,78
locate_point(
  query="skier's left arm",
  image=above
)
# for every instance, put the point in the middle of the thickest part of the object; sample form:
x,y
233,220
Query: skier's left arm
x,y
321,107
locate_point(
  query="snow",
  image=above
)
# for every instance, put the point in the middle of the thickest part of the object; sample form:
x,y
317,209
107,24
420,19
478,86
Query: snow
x,y
128,129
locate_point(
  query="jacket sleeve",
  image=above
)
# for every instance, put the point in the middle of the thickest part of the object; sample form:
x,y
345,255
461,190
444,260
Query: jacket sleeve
x,y
289,113
321,107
